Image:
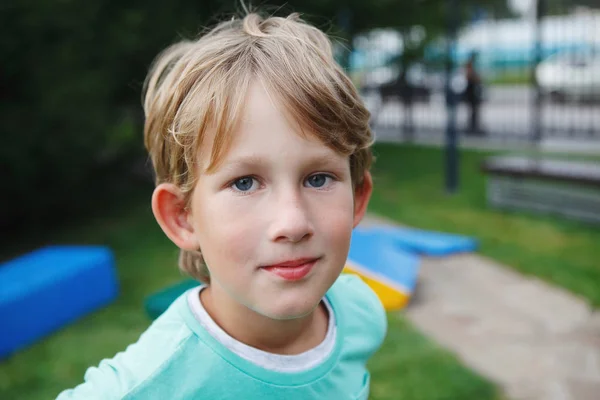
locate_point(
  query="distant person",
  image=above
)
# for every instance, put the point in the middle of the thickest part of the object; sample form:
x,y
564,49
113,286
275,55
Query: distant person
x,y
472,95
261,150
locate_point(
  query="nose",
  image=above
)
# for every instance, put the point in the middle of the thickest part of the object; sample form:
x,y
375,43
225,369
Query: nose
x,y
291,219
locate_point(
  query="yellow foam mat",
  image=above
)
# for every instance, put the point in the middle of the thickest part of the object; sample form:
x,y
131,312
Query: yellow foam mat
x,y
391,298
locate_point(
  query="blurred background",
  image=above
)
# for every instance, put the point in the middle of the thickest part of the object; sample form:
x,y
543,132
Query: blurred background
x,y
72,72
465,95
537,63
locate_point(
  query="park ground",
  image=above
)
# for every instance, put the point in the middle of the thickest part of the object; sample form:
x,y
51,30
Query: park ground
x,y
408,190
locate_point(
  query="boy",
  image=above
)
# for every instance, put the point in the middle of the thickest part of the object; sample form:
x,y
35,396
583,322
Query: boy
x,y
260,145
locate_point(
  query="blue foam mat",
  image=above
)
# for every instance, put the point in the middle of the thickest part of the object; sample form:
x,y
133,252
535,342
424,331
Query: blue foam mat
x,y
426,242
376,252
49,288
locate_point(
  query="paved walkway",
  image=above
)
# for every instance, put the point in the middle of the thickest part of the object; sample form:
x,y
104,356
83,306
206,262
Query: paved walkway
x,y
534,340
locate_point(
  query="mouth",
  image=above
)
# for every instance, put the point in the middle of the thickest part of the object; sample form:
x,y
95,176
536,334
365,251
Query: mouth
x,y
292,270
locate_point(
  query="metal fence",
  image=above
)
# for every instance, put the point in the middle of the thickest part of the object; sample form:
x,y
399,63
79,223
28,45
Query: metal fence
x,y
539,78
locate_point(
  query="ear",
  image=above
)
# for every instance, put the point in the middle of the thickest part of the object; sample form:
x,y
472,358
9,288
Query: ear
x,y
362,195
169,208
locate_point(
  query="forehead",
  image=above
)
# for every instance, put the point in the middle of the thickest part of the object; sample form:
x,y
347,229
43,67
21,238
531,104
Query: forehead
x,y
264,129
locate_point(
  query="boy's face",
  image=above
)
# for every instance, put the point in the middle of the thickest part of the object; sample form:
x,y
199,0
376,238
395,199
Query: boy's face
x,y
276,198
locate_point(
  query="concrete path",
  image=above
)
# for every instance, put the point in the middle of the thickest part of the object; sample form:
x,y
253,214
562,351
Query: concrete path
x,y
534,340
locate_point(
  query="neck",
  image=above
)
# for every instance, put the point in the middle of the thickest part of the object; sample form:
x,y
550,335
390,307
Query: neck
x,y
289,337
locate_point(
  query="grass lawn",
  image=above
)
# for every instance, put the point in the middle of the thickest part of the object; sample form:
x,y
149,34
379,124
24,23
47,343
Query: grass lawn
x,y
511,78
409,366
409,189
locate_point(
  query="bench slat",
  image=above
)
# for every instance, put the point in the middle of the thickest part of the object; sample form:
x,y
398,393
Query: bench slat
x,y
585,173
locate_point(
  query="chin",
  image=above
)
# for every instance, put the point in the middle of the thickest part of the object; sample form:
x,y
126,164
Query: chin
x,y
279,310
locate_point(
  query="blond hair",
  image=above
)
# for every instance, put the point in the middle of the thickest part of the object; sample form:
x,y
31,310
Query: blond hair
x,y
200,85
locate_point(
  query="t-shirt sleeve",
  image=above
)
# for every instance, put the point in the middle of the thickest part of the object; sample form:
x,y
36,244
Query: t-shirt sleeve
x,y
366,308
104,382
118,377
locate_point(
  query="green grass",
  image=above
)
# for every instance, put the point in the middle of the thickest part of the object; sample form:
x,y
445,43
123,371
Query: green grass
x,y
409,189
408,366
511,78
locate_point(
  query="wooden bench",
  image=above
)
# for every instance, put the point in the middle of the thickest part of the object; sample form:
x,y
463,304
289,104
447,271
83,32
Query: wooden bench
x,y
568,188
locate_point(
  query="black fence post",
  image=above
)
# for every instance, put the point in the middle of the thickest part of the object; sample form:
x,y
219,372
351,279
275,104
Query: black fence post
x,y
408,128
451,171
536,107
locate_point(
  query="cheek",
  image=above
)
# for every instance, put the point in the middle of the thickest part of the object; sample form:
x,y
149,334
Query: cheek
x,y
335,219
226,232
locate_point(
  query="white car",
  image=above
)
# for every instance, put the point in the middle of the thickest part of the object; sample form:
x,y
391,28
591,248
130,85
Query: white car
x,y
570,76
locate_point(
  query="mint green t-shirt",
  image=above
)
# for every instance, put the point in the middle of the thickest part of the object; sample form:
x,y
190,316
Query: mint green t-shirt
x,y
176,358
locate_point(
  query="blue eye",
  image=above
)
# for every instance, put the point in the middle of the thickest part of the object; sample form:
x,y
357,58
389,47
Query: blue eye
x,y
244,184
317,180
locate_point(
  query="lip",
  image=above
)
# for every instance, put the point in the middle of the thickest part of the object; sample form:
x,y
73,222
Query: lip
x,y
292,270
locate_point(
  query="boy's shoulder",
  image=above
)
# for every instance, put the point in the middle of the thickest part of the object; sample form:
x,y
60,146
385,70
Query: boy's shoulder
x,y
156,351
362,311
